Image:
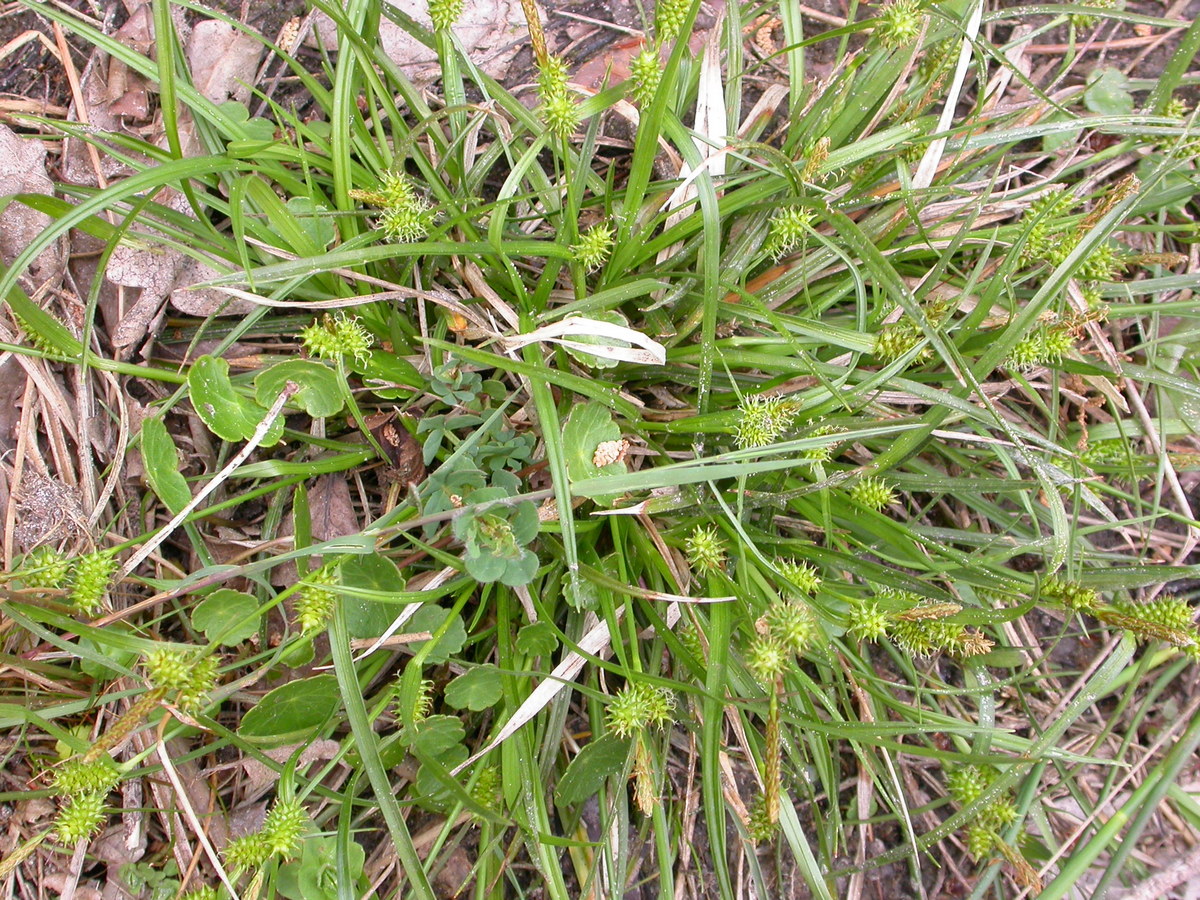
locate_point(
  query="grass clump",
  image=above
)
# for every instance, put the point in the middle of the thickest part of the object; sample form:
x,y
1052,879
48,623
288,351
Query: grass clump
x,y
804,471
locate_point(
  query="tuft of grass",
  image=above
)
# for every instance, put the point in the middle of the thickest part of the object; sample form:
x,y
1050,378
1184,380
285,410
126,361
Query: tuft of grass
x,y
591,510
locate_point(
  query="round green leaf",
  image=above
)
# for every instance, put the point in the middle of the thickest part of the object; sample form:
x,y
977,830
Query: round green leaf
x,y
1108,93
320,395
537,639
373,572
161,459
227,616
585,430
598,761
430,618
475,689
227,413
292,712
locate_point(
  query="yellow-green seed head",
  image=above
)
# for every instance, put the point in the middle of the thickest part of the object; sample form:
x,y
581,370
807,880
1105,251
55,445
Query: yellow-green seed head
x,y
705,549
90,578
284,828
873,493
444,13
767,658
82,817
337,335
645,75
867,622
763,420
637,706
793,624
787,230
900,23
594,246
45,568
75,776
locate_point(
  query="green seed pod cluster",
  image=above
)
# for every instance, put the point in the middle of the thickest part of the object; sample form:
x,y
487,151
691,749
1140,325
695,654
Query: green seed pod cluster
x,y
191,678
337,336
645,75
45,568
873,493
316,600
444,13
593,248
787,230
559,110
91,576
764,420
1070,594
705,549
81,818
638,706
900,23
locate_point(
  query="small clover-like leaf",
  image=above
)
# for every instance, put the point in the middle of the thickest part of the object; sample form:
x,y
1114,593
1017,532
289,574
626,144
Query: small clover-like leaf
x,y
475,689
590,428
320,395
227,413
537,639
1108,93
227,617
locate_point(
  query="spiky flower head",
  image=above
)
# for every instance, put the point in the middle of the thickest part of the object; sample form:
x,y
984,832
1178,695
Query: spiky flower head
x,y
799,574
787,230
316,600
46,568
900,23
444,13
645,75
669,17
873,493
246,853
896,339
823,452
926,636
1102,264
1044,219
966,784
594,246
284,827
1046,345
1070,594
705,549
405,214
639,705
760,826
793,624
90,578
337,336
559,110
767,658
867,622
80,818
763,420
191,678
77,776
206,892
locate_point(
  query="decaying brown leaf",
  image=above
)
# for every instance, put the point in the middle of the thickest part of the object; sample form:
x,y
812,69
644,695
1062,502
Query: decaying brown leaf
x,y
331,508
23,171
491,31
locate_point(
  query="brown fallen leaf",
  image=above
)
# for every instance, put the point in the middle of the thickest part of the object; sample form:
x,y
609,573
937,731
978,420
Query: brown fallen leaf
x,y
223,60
127,90
331,508
492,32
23,171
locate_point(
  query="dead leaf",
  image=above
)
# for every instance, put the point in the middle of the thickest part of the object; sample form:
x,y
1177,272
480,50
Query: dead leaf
x,y
23,171
128,91
493,32
331,508
260,775
223,60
